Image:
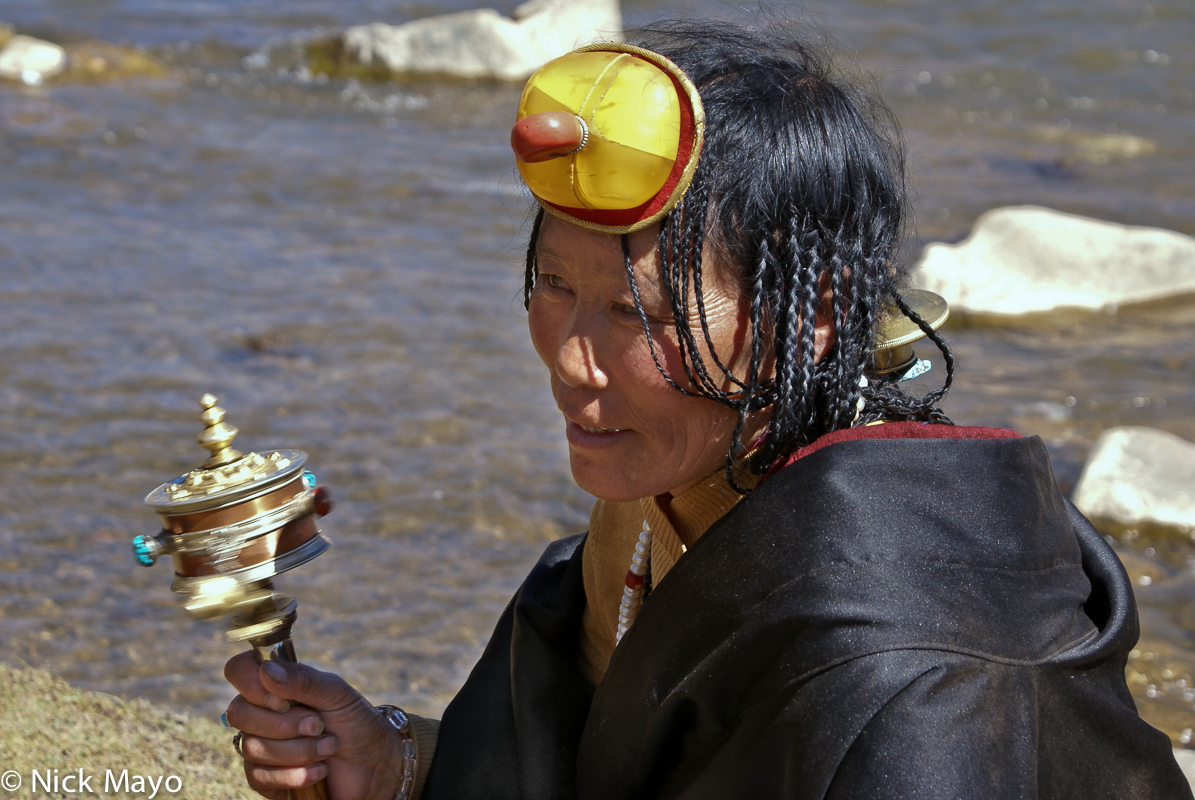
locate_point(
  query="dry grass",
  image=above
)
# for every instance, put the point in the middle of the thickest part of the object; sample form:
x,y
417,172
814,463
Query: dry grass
x,y
46,724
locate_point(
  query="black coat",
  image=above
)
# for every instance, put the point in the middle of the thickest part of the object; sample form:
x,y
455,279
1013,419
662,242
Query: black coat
x,y
909,618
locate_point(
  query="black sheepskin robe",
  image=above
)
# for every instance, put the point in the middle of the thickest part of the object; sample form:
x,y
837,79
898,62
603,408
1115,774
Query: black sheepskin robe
x,y
883,618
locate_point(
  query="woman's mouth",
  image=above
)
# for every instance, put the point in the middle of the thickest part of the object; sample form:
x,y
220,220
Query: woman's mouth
x,y
593,436
591,429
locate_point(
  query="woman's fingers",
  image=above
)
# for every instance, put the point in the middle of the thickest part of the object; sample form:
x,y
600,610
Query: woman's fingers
x,y
305,751
301,724
300,683
276,685
265,722
274,782
243,673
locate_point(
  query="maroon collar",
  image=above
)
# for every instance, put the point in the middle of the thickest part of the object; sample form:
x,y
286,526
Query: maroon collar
x,y
895,430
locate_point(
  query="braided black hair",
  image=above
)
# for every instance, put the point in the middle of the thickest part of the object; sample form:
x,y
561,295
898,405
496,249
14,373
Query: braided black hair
x,y
800,187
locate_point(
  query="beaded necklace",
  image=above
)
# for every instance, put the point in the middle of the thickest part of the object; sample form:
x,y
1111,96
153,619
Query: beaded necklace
x,y
633,589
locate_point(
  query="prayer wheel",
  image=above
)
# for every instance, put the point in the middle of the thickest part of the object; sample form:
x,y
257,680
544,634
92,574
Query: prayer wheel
x,y
230,526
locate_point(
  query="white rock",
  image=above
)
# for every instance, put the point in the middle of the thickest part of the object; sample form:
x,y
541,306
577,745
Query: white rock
x,y
1186,760
31,60
1139,475
1023,259
485,44
1095,148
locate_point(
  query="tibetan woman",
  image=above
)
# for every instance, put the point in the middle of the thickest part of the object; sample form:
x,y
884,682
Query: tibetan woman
x,y
799,580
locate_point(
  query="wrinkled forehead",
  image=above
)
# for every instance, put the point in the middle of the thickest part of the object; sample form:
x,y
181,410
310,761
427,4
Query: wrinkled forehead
x,y
561,243
594,253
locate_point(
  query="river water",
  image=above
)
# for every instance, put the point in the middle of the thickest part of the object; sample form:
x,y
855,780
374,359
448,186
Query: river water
x,y
340,263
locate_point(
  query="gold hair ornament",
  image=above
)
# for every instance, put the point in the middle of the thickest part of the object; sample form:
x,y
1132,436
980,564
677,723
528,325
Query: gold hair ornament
x,y
894,359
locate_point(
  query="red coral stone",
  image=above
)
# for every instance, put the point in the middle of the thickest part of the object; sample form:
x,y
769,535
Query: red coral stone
x,y
323,501
544,136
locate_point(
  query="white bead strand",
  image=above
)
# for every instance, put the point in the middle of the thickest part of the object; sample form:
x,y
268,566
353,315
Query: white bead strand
x,y
632,591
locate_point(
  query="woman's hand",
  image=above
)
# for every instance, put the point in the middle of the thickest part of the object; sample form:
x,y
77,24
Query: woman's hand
x,y
302,725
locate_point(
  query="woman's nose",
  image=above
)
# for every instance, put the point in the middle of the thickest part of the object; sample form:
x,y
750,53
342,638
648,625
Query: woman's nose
x,y
576,362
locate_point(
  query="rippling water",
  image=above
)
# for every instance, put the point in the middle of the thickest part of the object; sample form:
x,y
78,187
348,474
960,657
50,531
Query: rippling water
x,y
341,264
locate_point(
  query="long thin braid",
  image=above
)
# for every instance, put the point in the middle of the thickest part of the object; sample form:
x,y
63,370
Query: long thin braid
x,y
694,236
629,266
935,396
835,383
750,393
806,322
532,270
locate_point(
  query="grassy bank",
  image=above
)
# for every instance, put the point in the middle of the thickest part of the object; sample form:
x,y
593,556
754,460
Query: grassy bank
x,y
47,725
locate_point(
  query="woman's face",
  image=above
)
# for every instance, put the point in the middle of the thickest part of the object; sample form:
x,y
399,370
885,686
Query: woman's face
x,y
630,434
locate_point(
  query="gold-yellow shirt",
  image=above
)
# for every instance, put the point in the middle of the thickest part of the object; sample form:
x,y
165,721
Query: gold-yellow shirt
x,y
675,522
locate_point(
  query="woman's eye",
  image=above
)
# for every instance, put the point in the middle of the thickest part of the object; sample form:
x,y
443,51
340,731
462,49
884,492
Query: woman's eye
x,y
555,281
626,308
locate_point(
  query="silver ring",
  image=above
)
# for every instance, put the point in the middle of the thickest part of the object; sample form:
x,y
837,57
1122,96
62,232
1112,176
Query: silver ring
x,y
584,137
236,742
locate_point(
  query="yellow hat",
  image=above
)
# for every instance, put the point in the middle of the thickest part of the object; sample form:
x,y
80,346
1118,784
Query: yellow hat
x,y
608,136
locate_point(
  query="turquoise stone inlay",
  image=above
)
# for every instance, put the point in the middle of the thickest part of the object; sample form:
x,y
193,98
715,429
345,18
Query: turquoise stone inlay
x,y
143,550
309,479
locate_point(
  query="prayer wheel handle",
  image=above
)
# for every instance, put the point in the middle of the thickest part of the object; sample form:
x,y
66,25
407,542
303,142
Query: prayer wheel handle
x,y
284,650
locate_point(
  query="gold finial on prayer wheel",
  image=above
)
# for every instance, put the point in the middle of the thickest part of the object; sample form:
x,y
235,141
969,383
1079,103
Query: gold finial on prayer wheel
x,y
218,436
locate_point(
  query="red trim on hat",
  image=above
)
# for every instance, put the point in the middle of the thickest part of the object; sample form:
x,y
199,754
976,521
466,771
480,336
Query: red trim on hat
x,y
622,217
